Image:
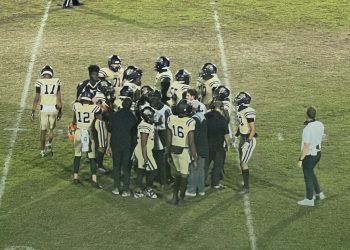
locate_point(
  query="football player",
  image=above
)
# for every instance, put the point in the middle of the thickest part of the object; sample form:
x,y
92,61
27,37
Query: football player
x,y
143,153
162,112
222,94
114,72
164,76
178,88
90,84
104,98
84,113
207,82
182,148
125,92
132,78
48,93
247,134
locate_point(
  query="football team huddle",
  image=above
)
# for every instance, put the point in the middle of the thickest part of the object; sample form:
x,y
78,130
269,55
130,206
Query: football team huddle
x,y
170,131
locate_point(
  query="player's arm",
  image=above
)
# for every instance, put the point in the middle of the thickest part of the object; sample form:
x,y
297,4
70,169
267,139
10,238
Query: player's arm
x,y
165,84
59,103
169,140
227,141
252,128
193,150
74,119
144,138
35,102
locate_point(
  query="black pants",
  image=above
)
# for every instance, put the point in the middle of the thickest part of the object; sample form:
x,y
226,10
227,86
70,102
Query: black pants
x,y
218,156
159,156
121,159
311,183
67,2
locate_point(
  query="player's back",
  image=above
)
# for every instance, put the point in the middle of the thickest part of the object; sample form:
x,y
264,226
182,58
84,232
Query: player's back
x,y
180,127
48,90
85,114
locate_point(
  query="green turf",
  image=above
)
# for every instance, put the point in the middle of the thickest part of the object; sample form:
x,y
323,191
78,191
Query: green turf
x,y
287,54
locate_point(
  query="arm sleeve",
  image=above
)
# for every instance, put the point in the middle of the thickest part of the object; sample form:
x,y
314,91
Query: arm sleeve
x,y
37,90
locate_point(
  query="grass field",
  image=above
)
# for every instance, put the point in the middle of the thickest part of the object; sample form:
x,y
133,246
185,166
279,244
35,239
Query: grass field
x,y
287,54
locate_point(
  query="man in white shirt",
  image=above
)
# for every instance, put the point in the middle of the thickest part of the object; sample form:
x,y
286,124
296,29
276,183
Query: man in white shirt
x,y
310,155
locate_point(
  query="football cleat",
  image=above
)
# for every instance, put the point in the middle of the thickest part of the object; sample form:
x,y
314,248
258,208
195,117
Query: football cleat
x,y
306,202
95,184
116,191
139,194
150,193
244,191
126,194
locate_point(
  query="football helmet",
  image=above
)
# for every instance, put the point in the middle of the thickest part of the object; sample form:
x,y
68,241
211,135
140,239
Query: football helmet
x,y
183,76
221,93
47,70
114,62
184,108
146,90
133,74
208,70
103,86
161,63
87,95
147,114
127,91
242,98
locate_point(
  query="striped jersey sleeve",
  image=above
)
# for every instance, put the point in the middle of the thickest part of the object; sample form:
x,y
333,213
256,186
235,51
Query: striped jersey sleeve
x,y
38,84
96,110
144,128
251,114
191,124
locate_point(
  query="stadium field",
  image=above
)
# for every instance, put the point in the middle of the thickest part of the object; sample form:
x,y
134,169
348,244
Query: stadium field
x,y
287,54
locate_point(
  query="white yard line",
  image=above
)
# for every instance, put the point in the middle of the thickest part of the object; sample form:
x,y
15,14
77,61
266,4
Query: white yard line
x,y
22,104
220,43
247,209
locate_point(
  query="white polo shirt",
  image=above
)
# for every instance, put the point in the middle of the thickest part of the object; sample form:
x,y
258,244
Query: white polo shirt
x,y
312,135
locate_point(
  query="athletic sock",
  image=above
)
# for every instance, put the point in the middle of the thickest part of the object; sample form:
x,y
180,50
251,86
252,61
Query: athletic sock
x,y
93,166
183,187
76,164
245,174
99,159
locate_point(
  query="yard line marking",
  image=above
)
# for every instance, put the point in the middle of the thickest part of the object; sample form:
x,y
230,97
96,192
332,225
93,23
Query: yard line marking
x,y
247,209
18,129
22,105
220,43
280,137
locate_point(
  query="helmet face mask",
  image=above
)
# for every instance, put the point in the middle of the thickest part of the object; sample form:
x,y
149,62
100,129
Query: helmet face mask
x,y
183,76
242,99
208,70
133,74
147,114
114,63
86,96
146,90
127,91
221,93
161,63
